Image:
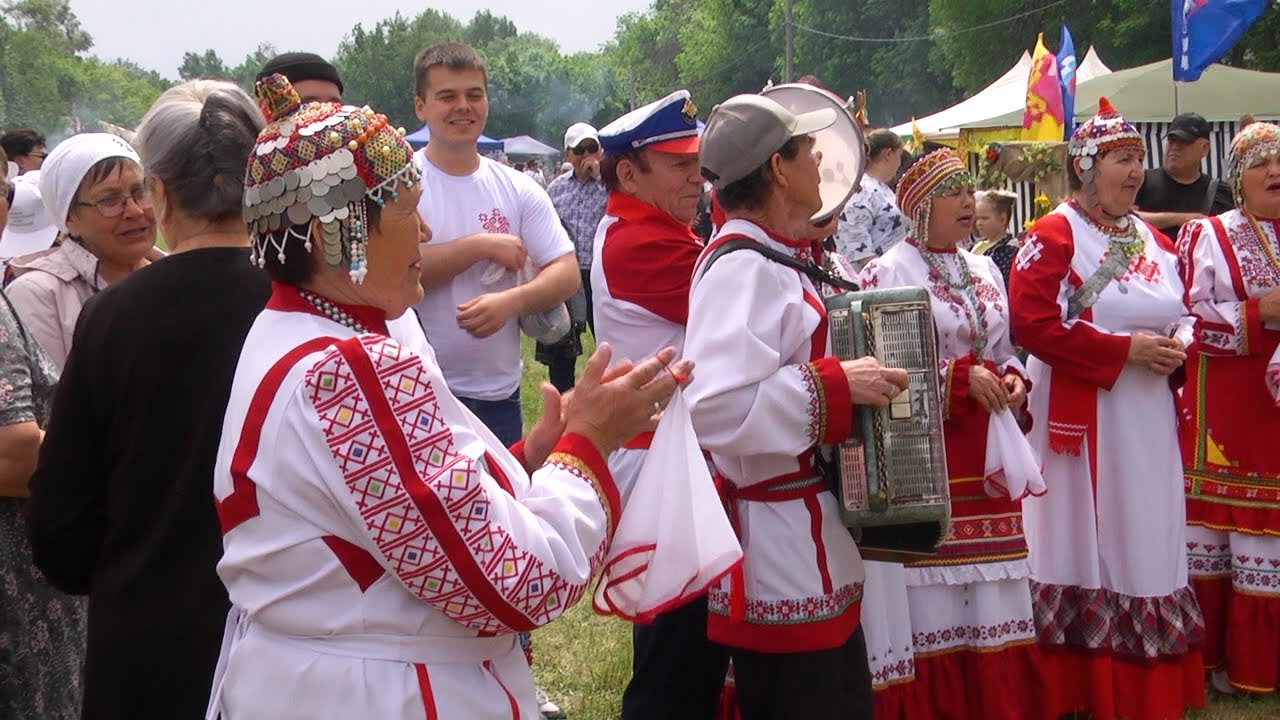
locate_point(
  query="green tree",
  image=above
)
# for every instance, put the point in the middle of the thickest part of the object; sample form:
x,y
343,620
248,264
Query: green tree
x,y
643,53
377,64
246,72
39,69
203,65
1259,49
895,73
117,92
53,17
486,28
728,47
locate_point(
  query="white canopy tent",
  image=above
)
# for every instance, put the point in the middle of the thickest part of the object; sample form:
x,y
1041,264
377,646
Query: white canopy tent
x,y
1007,93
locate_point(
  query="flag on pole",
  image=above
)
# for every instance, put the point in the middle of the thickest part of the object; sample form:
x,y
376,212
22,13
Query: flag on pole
x,y
917,137
1204,30
1067,80
1042,118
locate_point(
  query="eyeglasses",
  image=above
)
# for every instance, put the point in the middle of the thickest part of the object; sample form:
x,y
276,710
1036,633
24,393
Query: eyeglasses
x,y
113,205
589,147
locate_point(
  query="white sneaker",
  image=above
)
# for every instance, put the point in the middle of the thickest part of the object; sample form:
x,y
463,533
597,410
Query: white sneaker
x,y
1221,682
549,710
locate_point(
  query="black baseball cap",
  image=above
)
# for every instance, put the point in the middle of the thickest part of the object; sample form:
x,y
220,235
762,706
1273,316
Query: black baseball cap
x,y
1188,127
299,66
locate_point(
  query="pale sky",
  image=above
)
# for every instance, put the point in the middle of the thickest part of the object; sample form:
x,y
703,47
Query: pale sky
x,y
156,33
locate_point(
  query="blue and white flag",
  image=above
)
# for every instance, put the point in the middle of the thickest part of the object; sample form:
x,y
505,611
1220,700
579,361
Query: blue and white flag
x,y
1204,30
1067,79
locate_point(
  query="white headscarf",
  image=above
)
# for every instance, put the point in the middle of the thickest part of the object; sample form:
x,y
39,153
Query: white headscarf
x,y
69,162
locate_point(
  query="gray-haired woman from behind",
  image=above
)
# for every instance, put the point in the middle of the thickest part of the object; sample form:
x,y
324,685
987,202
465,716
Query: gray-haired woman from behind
x,y
121,502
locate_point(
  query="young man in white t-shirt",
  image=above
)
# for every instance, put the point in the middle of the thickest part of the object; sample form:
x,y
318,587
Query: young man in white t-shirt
x,y
484,217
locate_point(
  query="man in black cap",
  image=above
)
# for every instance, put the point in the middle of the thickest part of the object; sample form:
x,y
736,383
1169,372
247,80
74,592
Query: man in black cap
x,y
315,79
1178,192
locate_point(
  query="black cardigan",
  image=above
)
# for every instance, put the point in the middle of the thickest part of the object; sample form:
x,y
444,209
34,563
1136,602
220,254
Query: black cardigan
x,y
122,497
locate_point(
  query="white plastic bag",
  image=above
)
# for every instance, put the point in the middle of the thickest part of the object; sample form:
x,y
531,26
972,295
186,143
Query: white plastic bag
x,y
1011,468
546,326
673,540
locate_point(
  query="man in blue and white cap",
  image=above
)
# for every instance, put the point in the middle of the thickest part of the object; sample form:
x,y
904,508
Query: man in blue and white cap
x,y
643,258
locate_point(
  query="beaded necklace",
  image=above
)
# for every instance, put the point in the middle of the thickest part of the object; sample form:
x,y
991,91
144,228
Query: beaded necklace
x,y
1123,239
1264,241
965,291
330,310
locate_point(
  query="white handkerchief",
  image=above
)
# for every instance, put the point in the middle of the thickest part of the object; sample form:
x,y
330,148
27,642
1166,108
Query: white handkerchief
x,y
1011,468
673,540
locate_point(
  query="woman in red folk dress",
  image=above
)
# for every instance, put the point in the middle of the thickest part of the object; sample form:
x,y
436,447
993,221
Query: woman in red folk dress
x,y
971,618
1231,267
1097,300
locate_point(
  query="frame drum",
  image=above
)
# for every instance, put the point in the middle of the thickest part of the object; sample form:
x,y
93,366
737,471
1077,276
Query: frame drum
x,y
843,150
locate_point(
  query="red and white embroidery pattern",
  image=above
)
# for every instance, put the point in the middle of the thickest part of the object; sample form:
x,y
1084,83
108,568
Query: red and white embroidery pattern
x,y
1257,268
1208,560
817,403
790,611
437,557
495,222
987,637
1141,267
894,673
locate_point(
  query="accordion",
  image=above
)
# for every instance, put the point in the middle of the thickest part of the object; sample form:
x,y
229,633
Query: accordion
x,y
890,476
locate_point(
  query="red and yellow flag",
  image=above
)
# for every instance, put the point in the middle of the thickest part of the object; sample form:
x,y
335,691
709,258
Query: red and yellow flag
x,y
1043,118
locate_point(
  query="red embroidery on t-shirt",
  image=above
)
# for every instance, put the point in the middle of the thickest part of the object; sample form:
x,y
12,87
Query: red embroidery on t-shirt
x,y
495,222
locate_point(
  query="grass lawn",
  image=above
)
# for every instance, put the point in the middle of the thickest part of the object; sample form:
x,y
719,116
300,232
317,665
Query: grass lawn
x,y
583,660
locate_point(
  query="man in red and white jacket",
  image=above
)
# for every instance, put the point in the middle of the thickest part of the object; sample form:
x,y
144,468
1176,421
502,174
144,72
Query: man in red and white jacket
x,y
644,253
767,390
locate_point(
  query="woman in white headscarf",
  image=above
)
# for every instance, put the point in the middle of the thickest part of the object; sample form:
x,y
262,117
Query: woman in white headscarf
x,y
92,185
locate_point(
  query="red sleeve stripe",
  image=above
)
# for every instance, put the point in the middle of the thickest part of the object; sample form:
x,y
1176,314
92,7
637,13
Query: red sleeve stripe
x,y
242,503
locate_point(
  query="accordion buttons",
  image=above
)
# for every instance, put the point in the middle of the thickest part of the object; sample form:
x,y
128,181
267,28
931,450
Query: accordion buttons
x,y
900,407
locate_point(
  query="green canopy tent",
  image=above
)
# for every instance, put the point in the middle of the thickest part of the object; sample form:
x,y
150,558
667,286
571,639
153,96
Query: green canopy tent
x,y
1145,96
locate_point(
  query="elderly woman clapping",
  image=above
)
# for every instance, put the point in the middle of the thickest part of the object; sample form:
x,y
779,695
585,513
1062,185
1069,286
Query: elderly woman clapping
x,y
382,548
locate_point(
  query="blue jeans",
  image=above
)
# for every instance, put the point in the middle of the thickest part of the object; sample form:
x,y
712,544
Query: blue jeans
x,y
503,417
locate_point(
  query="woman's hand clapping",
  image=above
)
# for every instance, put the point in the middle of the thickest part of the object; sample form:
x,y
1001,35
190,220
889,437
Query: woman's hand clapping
x,y
610,406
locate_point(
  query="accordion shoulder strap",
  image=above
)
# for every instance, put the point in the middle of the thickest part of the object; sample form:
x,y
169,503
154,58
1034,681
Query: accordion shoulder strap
x,y
815,273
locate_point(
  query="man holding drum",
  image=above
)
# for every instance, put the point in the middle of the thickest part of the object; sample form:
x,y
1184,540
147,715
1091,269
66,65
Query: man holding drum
x,y
767,391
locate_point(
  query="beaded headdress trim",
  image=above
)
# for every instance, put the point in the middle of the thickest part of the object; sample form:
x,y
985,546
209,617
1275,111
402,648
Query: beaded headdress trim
x,y
931,175
1105,131
320,161
1252,144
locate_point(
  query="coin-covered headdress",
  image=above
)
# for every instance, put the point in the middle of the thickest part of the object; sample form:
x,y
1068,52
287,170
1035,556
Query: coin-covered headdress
x,y
1100,134
1254,143
320,161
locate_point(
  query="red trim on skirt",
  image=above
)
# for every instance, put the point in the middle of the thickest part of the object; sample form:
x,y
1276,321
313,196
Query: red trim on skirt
x,y
1212,594
892,702
1242,634
1110,687
1008,683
